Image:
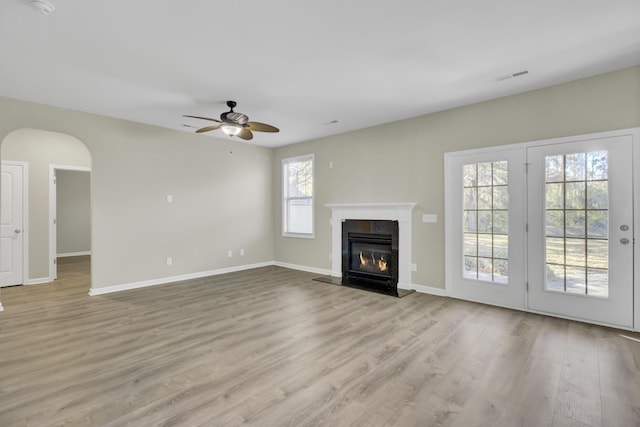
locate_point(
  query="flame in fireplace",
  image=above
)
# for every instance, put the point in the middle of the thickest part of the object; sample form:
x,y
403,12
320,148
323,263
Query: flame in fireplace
x,y
363,261
381,263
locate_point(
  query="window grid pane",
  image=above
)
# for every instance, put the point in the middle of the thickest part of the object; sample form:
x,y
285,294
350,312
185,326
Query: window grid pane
x,y
486,222
576,218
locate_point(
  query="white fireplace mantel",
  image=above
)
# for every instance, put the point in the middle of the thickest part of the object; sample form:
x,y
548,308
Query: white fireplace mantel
x,y
400,212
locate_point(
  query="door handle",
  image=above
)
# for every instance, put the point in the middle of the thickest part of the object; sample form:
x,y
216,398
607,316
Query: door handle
x,y
624,241
17,231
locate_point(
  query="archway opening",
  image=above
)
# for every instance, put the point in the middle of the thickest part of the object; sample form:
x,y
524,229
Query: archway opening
x,y
56,213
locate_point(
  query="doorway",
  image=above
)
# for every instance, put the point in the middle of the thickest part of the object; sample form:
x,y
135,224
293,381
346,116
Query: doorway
x,y
558,242
70,214
40,149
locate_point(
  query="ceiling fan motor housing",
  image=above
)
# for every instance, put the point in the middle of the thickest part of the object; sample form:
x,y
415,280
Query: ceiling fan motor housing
x,y
236,118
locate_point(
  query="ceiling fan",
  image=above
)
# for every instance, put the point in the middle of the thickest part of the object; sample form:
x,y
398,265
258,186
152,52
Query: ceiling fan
x,y
235,124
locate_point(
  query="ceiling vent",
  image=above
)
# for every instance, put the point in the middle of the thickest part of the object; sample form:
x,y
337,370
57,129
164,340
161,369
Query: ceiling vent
x,y
510,76
43,6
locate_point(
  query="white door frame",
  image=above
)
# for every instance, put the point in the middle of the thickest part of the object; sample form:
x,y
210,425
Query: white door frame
x,y
53,192
636,223
25,217
635,135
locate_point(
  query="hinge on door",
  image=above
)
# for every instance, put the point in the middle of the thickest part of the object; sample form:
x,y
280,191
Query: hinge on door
x,y
526,228
54,221
54,179
527,286
55,260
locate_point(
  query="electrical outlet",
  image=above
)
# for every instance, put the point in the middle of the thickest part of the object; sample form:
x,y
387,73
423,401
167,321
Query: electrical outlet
x,y
414,267
169,261
169,198
241,252
229,254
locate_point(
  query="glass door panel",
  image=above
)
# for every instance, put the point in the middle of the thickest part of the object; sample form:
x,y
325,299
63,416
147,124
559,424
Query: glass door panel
x,y
577,188
578,265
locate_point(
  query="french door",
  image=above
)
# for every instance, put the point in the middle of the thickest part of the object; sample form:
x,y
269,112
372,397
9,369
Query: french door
x,y
580,238
485,226
545,226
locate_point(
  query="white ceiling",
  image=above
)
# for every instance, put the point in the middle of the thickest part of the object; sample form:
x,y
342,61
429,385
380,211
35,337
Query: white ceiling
x,y
301,64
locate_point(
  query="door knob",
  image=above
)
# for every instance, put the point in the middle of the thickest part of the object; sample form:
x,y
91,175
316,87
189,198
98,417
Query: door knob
x,y
17,231
624,241
624,227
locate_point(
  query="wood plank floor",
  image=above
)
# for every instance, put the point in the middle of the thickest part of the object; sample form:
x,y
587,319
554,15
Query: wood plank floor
x,y
272,347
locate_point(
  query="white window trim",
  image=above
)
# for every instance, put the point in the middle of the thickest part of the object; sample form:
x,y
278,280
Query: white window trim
x,y
284,200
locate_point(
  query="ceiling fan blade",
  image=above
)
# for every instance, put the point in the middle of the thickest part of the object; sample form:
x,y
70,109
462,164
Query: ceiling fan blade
x,y
262,127
207,128
203,118
245,134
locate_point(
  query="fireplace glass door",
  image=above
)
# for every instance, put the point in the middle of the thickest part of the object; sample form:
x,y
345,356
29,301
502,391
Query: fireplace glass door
x,y
370,257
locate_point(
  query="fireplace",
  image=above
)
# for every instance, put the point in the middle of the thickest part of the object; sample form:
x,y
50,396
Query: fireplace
x,y
373,213
370,255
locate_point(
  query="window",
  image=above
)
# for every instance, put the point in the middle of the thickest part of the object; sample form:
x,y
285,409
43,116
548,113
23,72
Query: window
x,y
486,221
577,223
297,210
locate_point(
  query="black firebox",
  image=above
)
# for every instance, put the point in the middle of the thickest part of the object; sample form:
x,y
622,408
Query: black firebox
x,y
370,255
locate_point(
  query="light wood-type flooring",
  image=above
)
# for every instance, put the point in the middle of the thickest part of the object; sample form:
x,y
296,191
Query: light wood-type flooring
x,y
272,347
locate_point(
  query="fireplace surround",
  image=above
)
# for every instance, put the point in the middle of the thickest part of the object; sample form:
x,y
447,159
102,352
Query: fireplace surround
x,y
399,212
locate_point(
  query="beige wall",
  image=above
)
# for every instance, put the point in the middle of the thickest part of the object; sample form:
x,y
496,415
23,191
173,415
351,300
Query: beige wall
x,y
73,212
222,195
404,161
40,149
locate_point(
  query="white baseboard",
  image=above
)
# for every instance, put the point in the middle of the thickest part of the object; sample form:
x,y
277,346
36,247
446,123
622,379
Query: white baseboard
x,y
315,270
68,254
164,280
39,281
424,289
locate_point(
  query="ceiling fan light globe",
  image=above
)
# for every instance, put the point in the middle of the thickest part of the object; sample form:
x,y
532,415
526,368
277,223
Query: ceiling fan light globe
x,y
230,129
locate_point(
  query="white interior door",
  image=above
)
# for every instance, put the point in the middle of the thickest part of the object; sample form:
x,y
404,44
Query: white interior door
x,y
11,220
580,240
485,226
